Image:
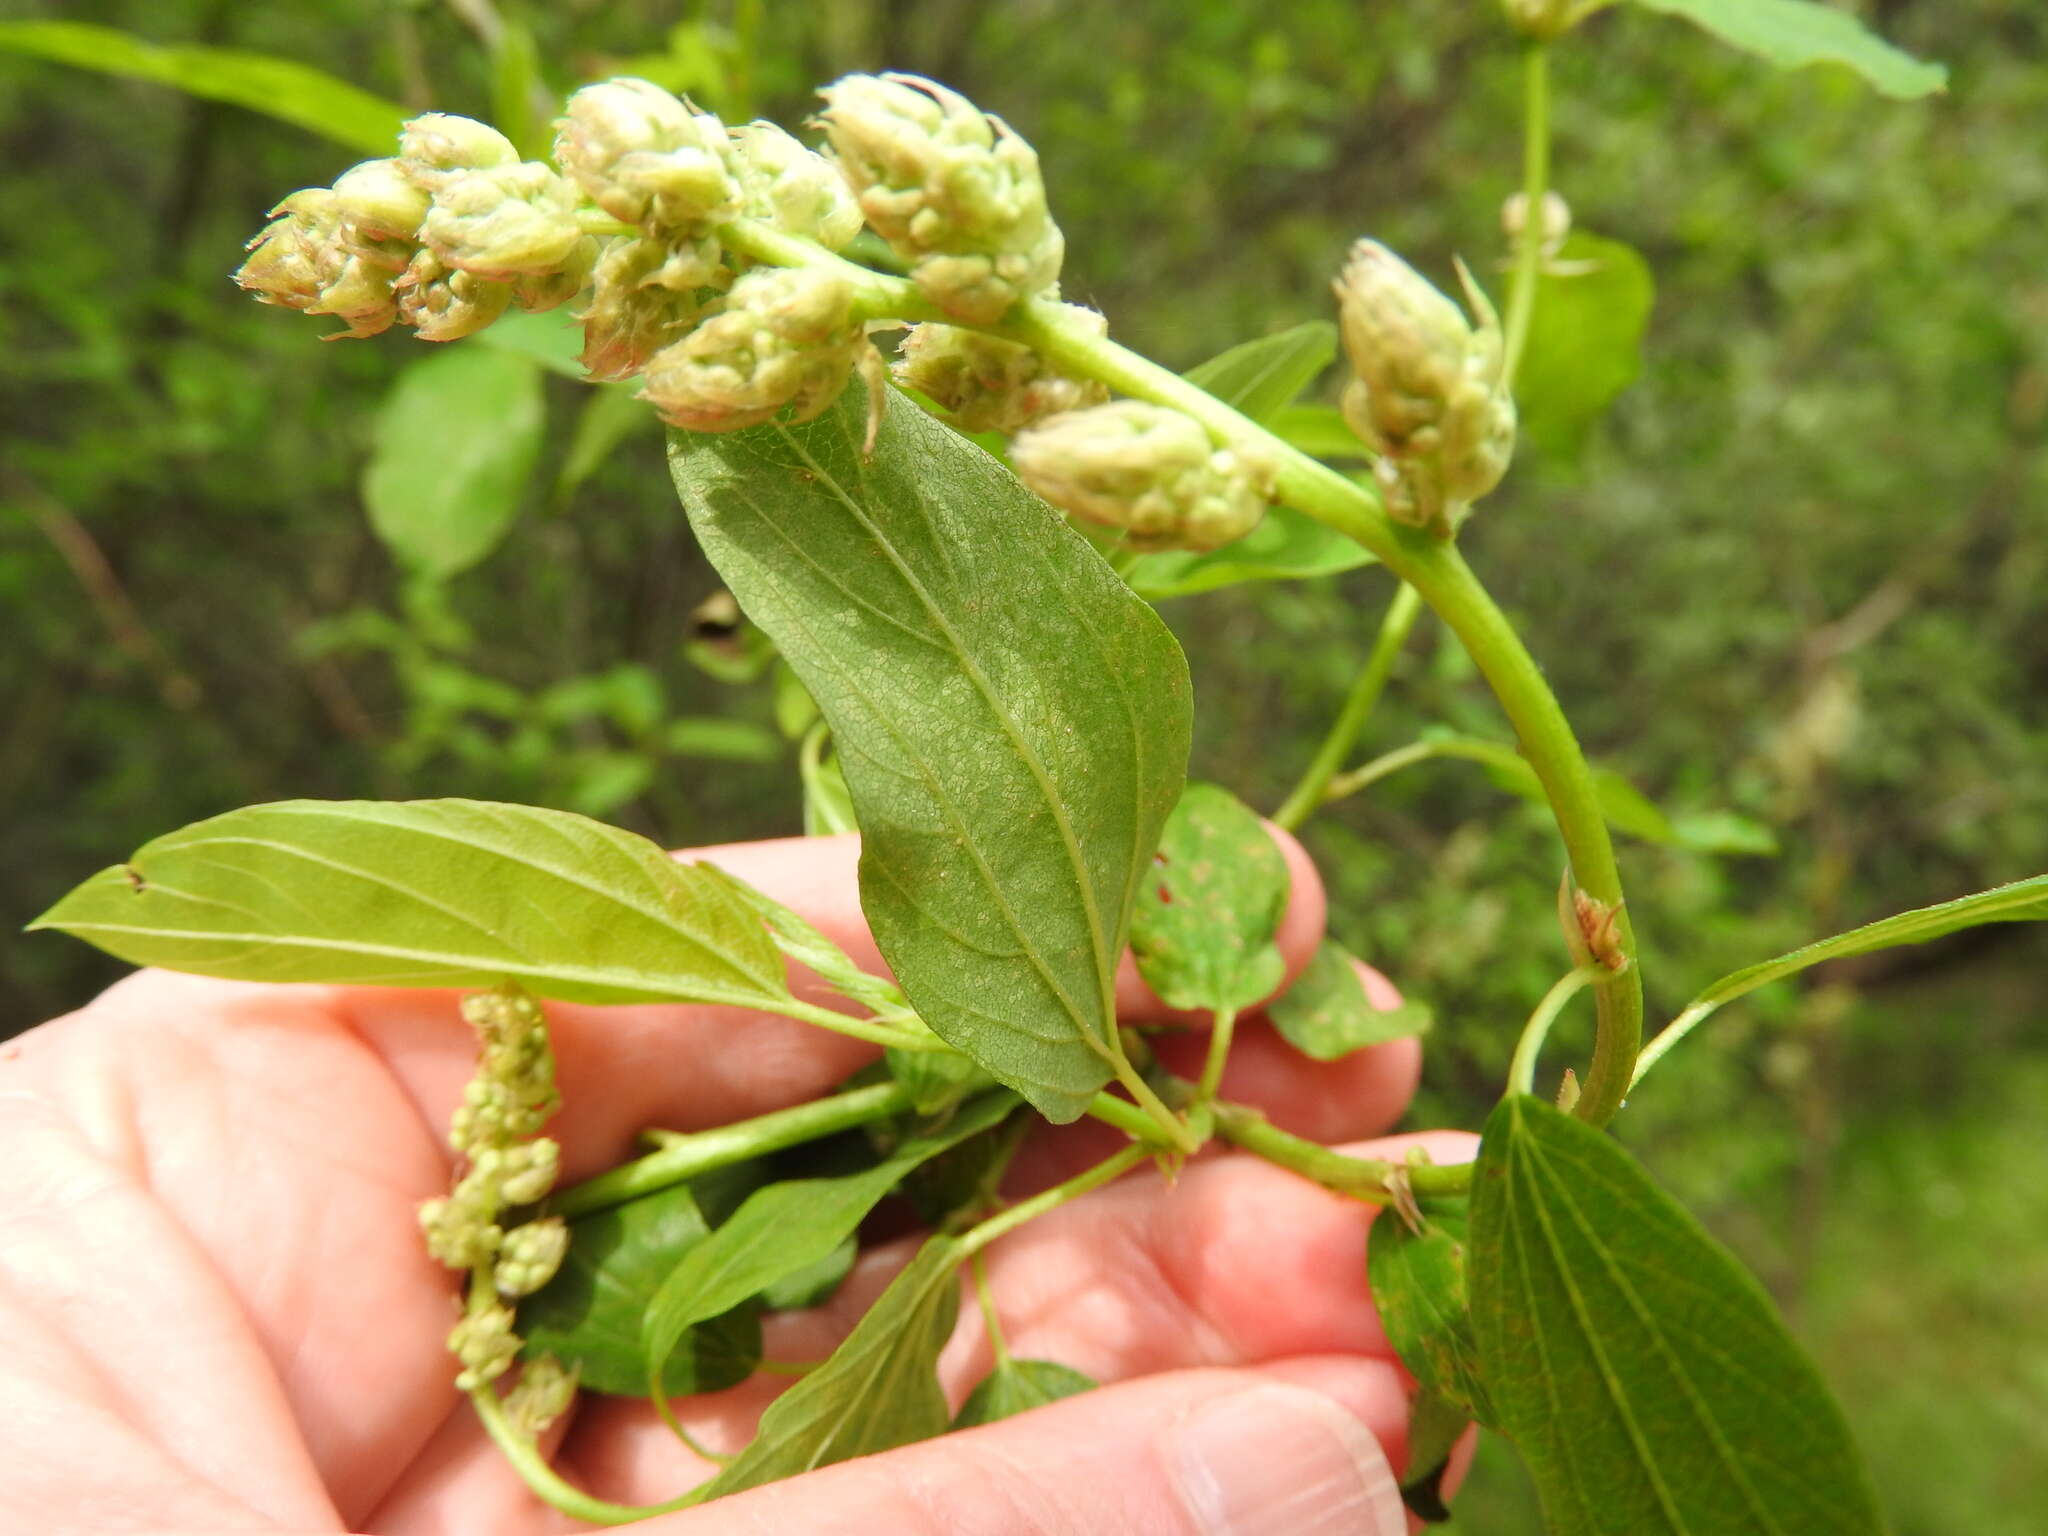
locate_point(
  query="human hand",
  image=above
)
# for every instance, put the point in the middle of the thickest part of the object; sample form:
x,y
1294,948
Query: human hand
x,y
216,1313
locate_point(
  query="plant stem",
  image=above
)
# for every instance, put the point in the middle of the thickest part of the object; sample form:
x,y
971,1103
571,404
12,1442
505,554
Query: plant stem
x,y
686,1156
1219,1053
859,1029
1522,1070
1431,565
546,1483
997,1344
1175,1129
1669,1036
1052,1199
1358,706
1535,185
1363,1178
1129,1119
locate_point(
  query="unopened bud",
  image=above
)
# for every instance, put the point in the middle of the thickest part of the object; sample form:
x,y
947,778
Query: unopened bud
x,y
645,157
783,337
557,286
633,313
306,260
793,188
504,222
1545,19
443,303
458,1234
485,1344
991,385
543,1393
526,1171
529,1256
952,189
378,201
1428,393
436,143
1147,470
1557,219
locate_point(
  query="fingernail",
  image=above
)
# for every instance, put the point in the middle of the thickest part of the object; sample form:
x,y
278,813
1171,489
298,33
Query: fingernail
x,y
1282,1461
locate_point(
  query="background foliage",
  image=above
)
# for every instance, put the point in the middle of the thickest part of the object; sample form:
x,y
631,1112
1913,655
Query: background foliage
x,y
1793,574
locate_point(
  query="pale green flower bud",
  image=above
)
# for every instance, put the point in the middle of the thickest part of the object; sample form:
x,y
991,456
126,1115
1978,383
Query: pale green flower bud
x,y
459,1232
951,189
635,312
793,188
991,385
524,1171
485,1344
306,260
543,1393
505,222
646,158
1147,470
1428,393
445,304
437,143
376,201
1545,19
783,337
1557,219
530,1255
556,287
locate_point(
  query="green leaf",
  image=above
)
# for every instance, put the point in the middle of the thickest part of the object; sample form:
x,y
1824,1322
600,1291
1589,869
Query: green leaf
x,y
611,414
937,1080
1018,1386
799,939
429,893
1260,377
1795,33
589,1315
1326,1014
1722,832
1013,724
720,738
2024,901
1640,1370
1207,913
879,1390
454,448
811,1286
554,339
1286,546
1585,340
786,1227
1418,1287
281,88
828,807
1319,431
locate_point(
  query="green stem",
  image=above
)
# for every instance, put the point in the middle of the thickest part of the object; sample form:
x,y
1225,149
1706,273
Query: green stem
x,y
1129,1119
1431,565
1669,1036
1384,766
1363,1178
1052,1199
994,1324
1219,1053
549,1485
686,1156
1522,1070
1535,185
859,1029
1365,693
1175,1129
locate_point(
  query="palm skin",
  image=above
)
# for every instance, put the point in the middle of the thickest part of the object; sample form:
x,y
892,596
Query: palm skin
x,y
216,1315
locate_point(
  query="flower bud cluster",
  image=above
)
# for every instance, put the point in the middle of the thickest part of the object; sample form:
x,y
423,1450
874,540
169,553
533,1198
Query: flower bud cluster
x,y
444,238
991,385
1428,392
1149,471
504,1105
783,337
953,190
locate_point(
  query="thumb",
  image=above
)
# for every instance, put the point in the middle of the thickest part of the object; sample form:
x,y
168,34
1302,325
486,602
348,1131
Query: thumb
x,y
1187,1453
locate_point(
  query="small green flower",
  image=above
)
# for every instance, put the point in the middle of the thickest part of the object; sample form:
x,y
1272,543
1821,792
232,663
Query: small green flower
x,y
543,1393
436,144
503,222
306,259
634,311
646,158
486,1345
953,190
1147,470
793,188
443,303
991,385
782,338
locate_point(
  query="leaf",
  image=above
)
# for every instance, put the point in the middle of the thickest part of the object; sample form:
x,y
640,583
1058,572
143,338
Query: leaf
x,y
429,893
785,1227
1012,723
1418,1287
801,940
611,414
281,88
589,1314
454,446
1640,1370
1286,546
1203,930
720,738
554,339
879,1390
1319,431
937,1080
1326,1014
1018,1386
1722,832
2024,901
828,808
1260,377
811,1286
1585,340
1795,33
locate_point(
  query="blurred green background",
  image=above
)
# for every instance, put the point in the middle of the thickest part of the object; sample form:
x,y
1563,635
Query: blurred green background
x,y
1793,574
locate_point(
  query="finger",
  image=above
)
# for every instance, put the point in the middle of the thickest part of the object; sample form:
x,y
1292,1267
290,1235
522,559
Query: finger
x,y
1189,1454
1238,1264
